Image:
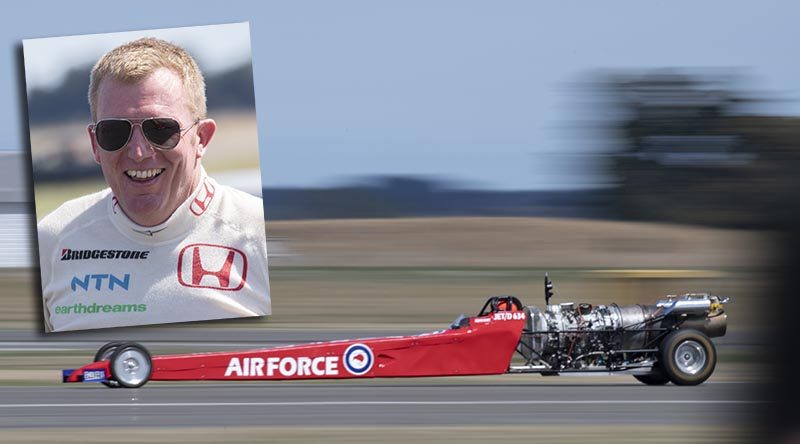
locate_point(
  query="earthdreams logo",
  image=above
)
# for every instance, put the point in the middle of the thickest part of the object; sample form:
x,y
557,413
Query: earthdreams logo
x,y
95,308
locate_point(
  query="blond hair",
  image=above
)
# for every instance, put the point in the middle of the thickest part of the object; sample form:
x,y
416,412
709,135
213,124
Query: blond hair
x,y
136,60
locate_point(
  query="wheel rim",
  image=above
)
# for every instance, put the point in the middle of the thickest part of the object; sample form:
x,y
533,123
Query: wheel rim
x,y
690,357
131,367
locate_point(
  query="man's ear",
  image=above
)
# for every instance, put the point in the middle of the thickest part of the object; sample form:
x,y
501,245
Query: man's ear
x,y
90,129
205,131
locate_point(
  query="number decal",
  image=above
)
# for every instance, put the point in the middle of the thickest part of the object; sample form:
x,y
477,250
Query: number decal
x,y
508,316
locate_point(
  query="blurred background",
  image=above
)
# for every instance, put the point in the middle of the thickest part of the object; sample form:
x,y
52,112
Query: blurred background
x,y
57,74
418,158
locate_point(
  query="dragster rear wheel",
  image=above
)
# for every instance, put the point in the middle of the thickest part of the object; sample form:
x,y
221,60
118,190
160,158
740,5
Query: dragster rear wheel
x,y
688,357
131,365
104,354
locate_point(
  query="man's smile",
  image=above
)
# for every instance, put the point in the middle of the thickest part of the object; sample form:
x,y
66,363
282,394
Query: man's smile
x,y
144,175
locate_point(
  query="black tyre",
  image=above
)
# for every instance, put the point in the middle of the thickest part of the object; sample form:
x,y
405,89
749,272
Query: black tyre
x,y
688,357
657,377
104,354
131,365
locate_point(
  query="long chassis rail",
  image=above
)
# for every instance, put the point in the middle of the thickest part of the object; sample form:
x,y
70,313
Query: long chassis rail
x,y
480,345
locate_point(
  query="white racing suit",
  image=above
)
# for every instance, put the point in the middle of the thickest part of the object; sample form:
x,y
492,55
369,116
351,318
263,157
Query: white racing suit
x,y
207,261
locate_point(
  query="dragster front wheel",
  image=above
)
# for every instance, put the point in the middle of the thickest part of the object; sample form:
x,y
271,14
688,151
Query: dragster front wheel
x,y
104,354
131,365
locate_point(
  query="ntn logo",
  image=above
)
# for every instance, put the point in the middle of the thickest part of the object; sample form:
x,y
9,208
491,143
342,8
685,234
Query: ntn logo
x,y
98,279
286,366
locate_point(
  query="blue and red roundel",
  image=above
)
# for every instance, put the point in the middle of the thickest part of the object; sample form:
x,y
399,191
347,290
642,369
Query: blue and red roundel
x,y
358,359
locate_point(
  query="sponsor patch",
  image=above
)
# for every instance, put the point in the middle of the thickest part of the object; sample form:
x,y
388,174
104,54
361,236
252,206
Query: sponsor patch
x,y
358,359
68,254
97,282
203,199
94,376
94,308
212,266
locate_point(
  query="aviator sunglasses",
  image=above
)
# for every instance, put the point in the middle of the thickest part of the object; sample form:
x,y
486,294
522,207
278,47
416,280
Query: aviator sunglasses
x,y
163,133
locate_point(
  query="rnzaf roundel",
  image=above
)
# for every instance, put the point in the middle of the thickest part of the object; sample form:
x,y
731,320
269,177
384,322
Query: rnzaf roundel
x,y
358,359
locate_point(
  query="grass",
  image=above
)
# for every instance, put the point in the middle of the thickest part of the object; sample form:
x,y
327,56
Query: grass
x,y
420,273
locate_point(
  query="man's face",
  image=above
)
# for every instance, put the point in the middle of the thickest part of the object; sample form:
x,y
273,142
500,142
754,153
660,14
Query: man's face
x,y
165,178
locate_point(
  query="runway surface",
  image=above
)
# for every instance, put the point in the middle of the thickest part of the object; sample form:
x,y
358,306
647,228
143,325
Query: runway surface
x,y
501,400
521,400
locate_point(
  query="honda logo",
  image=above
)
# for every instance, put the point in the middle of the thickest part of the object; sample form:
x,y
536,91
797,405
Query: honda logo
x,y
203,199
212,266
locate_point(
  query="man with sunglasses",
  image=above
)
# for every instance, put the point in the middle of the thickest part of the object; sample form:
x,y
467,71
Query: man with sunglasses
x,y
165,242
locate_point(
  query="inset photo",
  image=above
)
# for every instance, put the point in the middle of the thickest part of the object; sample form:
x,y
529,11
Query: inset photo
x,y
146,177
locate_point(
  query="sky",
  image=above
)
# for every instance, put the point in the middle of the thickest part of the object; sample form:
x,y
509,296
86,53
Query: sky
x,y
477,93
215,47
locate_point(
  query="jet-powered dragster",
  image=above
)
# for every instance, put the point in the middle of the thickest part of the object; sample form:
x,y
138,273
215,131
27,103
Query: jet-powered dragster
x,y
668,341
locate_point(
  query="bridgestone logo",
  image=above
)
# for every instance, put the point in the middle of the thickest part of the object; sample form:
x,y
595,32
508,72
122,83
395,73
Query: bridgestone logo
x,y
76,255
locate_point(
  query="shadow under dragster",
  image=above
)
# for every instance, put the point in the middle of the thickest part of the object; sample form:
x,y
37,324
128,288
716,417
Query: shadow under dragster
x,y
657,344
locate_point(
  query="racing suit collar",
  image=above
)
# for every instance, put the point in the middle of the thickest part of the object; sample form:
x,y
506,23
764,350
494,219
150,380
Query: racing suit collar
x,y
179,224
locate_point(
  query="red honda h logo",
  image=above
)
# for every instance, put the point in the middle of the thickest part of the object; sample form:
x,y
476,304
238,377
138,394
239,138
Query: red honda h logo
x,y
203,199
212,266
